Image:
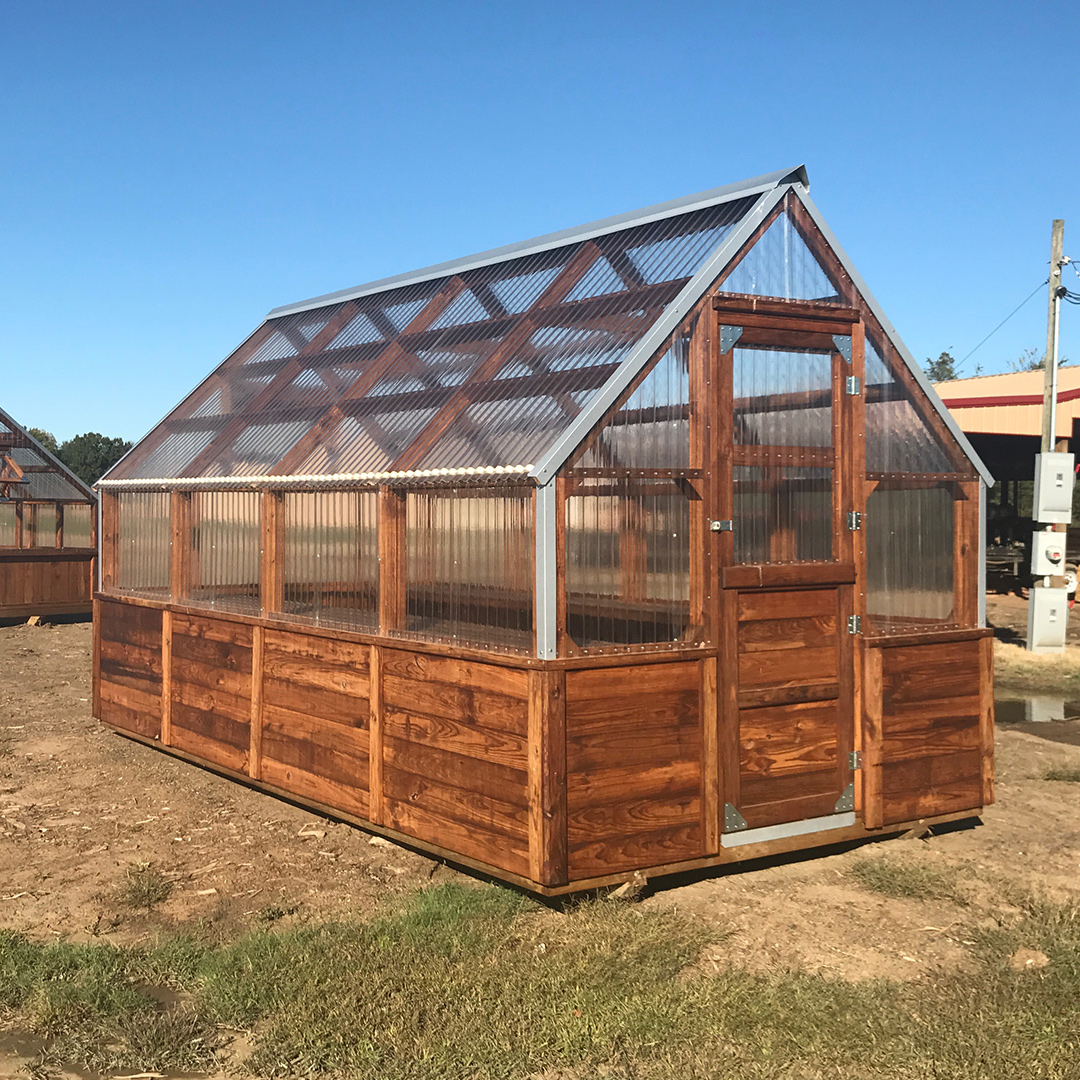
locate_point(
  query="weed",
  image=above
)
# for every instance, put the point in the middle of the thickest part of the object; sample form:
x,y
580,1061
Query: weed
x,y
1069,776
272,912
906,878
144,886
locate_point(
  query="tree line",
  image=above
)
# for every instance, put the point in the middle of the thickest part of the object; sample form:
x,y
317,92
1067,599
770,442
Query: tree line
x,y
88,456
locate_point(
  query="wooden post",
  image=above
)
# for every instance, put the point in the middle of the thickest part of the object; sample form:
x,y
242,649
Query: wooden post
x,y
272,553
166,677
872,736
547,776
95,668
376,804
986,716
1049,413
59,525
19,525
710,755
180,560
110,541
393,579
254,763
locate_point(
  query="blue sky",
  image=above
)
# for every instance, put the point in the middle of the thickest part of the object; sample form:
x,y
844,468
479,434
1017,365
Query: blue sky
x,y
172,171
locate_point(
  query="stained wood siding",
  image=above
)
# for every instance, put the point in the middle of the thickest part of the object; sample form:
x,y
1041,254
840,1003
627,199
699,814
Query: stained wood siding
x,y
129,669
635,777
455,755
931,747
45,582
210,698
315,719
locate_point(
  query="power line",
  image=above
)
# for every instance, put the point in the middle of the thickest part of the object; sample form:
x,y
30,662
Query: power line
x,y
1006,319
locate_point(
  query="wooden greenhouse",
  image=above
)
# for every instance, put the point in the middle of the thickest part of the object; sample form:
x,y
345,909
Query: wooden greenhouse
x,y
48,530
643,546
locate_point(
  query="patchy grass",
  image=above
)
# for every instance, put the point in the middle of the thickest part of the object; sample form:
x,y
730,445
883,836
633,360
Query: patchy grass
x,y
907,878
1068,776
1017,669
144,887
484,984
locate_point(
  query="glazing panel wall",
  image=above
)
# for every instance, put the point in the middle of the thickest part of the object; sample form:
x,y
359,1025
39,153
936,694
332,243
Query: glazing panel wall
x,y
144,543
39,525
898,437
225,551
77,531
7,524
783,513
781,265
909,556
469,566
332,558
627,561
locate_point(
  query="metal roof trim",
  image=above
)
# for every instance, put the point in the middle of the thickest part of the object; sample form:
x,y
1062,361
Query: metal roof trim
x,y
646,348
14,425
940,407
728,193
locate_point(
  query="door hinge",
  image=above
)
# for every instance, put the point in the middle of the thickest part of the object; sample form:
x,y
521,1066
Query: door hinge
x,y
852,385
722,526
854,624
855,759
854,520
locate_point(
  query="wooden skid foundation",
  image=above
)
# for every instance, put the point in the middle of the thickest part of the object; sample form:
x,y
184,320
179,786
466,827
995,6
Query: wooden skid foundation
x,y
556,776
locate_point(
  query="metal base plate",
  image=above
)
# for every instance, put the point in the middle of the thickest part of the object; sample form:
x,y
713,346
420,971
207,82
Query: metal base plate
x,y
788,828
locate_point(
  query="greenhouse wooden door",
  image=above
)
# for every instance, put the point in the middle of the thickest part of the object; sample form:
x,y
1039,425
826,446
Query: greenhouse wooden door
x,y
785,484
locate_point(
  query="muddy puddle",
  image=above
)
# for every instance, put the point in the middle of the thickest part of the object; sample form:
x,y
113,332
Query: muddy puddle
x,y
1053,718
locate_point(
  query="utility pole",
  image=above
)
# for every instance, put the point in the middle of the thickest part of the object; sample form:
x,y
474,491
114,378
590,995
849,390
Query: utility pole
x,y
1050,379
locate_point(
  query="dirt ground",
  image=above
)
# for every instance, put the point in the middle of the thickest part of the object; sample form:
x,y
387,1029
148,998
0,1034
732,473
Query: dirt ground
x,y
79,806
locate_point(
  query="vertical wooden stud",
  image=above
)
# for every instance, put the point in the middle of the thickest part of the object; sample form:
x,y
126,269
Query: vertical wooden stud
x,y
376,804
59,525
19,529
166,677
562,634
547,776
966,553
95,672
873,705
986,716
181,556
710,754
856,493
701,408
393,575
256,724
110,541
272,553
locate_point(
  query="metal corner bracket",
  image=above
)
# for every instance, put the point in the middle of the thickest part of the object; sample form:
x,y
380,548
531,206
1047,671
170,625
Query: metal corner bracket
x,y
847,800
728,336
733,820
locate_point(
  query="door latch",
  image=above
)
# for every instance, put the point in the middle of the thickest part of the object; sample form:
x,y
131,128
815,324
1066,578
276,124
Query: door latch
x,y
722,526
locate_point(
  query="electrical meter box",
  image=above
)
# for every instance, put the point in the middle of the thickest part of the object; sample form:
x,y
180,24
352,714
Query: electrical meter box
x,y
1047,553
1048,616
1054,475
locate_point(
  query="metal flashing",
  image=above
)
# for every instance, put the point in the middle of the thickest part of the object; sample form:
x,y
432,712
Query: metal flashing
x,y
728,193
803,194
788,828
662,329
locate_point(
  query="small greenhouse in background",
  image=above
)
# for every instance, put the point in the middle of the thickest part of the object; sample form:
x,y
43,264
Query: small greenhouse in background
x,y
639,546
48,530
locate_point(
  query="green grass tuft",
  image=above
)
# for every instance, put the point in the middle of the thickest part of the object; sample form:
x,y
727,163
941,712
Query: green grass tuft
x,y
906,878
144,887
1069,776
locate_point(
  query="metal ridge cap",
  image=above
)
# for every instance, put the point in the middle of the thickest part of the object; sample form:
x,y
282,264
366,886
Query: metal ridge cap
x,y
714,196
269,480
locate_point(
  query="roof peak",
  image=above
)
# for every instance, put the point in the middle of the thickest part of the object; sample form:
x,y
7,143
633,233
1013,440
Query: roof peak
x,y
728,192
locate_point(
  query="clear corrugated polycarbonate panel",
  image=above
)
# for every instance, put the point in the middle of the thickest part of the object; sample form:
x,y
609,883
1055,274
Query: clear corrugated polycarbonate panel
x,y
469,560
783,514
898,437
485,368
144,543
332,558
7,524
652,428
39,525
77,530
781,265
909,556
627,562
225,556
782,398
